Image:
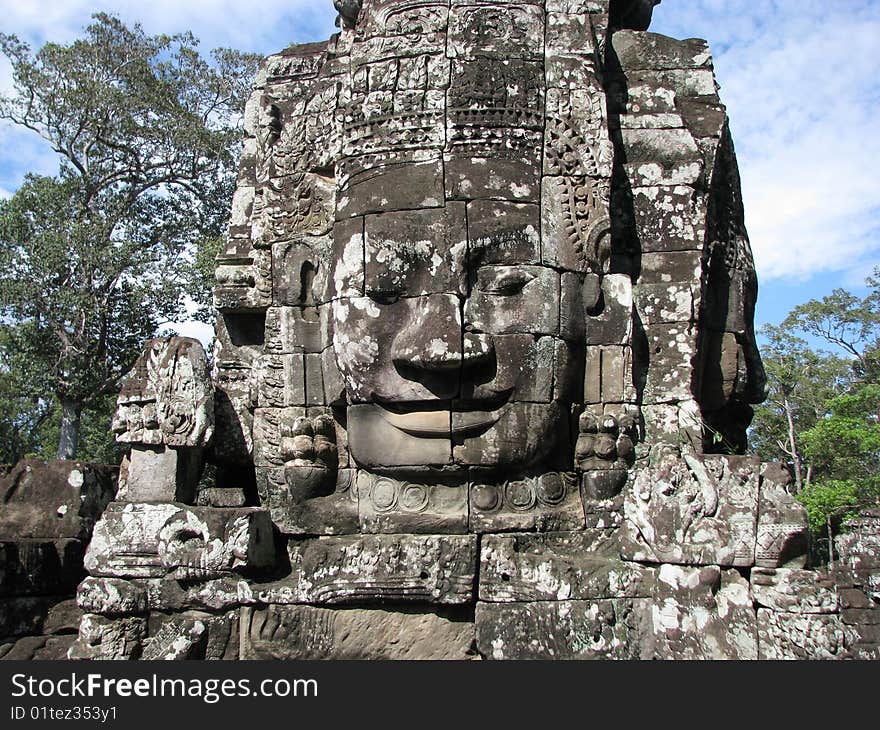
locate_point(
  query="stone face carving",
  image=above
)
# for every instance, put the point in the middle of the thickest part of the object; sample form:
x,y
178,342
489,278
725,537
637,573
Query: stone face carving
x,y
166,412
484,356
168,397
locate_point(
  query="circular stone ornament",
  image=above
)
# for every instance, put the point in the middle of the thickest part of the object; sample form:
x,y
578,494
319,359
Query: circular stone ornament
x,y
551,489
384,495
414,498
521,495
485,497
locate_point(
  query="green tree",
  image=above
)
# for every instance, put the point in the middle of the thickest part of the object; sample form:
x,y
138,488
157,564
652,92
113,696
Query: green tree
x,y
848,324
844,450
98,259
823,411
800,383
24,408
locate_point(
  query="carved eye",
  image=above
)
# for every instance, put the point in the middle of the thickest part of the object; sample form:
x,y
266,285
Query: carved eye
x,y
383,296
504,281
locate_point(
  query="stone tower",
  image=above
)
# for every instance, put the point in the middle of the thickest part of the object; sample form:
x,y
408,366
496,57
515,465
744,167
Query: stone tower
x,y
484,367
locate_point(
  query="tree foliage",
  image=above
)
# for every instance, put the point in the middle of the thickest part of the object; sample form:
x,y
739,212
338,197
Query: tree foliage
x,y
822,415
98,259
800,383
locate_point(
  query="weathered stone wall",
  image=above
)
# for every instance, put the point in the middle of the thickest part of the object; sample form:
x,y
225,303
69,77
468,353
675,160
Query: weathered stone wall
x,y
484,354
47,514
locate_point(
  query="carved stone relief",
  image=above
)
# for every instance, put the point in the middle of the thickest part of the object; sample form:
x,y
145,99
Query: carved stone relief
x,y
486,307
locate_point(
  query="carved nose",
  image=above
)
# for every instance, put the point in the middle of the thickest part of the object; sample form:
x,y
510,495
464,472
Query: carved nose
x,y
432,340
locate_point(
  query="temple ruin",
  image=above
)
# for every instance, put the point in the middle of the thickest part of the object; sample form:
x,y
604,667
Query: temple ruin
x,y
484,365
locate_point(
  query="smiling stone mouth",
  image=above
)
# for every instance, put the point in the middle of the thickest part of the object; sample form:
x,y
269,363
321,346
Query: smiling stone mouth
x,y
444,419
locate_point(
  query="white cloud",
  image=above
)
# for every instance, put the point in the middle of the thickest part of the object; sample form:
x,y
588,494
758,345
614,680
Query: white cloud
x,y
799,78
199,330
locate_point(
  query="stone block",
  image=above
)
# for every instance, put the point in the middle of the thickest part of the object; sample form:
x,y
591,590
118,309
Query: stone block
x,y
471,31
705,117
670,267
435,569
860,617
314,380
267,429
557,247
219,594
300,270
168,397
502,232
517,438
472,177
161,474
608,375
105,638
652,51
176,639
521,365
569,29
802,636
347,273
310,632
783,536
671,366
111,596
334,385
280,381
661,157
298,329
698,614
793,591
666,303
39,648
557,630
667,218
678,425
197,543
54,500
62,618
221,497
514,300
331,514
415,253
613,324
388,505
375,443
558,567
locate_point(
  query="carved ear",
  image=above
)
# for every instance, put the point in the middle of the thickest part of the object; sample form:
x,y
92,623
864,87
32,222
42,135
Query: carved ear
x,y
632,14
348,12
592,290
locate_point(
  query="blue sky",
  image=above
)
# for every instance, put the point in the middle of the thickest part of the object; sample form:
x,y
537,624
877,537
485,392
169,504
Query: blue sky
x,y
799,78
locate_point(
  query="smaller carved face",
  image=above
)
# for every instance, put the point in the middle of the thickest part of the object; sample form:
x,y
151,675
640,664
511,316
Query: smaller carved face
x,y
732,373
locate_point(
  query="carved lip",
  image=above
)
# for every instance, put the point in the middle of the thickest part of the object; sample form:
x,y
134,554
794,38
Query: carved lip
x,y
444,419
